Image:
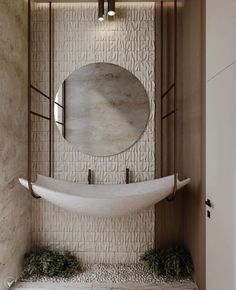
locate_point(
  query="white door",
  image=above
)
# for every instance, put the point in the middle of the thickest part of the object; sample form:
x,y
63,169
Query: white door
x,y
221,144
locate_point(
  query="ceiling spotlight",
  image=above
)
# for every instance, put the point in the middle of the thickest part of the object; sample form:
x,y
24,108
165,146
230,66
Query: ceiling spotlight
x,y
100,10
111,8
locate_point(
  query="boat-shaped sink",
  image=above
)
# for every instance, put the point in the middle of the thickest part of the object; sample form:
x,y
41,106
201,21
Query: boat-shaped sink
x,y
104,200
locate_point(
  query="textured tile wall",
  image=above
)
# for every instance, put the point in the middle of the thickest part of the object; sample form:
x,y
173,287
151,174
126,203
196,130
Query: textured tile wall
x,y
79,39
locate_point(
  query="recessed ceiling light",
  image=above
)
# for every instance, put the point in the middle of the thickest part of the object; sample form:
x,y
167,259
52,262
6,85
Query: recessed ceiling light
x,y
111,8
100,10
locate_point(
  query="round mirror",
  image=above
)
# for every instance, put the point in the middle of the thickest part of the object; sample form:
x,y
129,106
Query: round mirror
x,y
103,108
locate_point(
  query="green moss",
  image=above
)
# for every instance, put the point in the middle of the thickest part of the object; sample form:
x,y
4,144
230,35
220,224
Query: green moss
x,y
174,261
44,262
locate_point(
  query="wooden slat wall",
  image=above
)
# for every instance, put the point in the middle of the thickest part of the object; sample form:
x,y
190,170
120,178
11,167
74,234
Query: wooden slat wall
x,y
169,215
193,133
183,221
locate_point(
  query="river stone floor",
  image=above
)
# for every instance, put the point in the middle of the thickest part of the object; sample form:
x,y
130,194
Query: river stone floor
x,y
108,277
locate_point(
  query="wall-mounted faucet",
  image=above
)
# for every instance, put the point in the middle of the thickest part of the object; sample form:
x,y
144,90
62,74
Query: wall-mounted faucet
x,y
127,176
90,176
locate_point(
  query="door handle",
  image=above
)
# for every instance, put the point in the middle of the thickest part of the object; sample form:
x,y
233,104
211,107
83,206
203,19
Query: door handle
x,y
208,203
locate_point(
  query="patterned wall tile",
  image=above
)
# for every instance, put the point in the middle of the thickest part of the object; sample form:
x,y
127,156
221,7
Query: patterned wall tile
x,y
80,39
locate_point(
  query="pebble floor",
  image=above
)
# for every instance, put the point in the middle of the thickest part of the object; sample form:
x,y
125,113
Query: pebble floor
x,y
108,277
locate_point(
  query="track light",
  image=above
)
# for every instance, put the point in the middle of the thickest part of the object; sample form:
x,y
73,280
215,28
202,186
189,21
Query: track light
x,y
100,10
111,7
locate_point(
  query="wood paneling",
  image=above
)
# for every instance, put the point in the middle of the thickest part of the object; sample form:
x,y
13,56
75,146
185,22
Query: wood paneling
x,y
169,215
193,124
183,220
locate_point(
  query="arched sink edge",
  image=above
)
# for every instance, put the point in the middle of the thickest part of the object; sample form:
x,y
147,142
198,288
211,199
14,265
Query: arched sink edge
x,y
104,200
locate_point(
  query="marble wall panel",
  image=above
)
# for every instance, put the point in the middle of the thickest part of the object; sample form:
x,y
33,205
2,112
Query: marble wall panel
x,y
15,202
